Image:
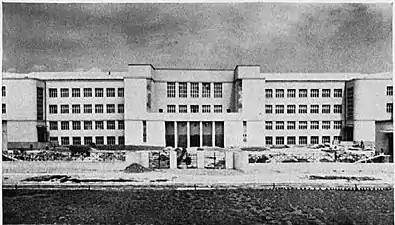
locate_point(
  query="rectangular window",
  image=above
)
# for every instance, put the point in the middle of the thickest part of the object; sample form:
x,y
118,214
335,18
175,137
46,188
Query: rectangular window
x,y
218,108
144,131
64,92
182,109
54,139
111,140
206,108
75,92
40,104
76,140
291,109
121,140
314,125
350,103
314,140
182,90
314,93
326,125
87,140
121,108
269,140
171,89
53,92
326,93
388,108
279,109
65,140
65,125
76,109
337,138
88,92
337,93
279,125
314,109
268,109
279,93
291,140
390,90
269,125
302,93
111,125
217,90
303,109
76,125
303,140
206,89
291,125
121,125
110,92
87,125
53,125
337,125
326,139
4,93
291,93
337,109
99,140
64,108
87,108
326,109
279,140
121,92
195,90
99,92
244,131
269,93
171,108
110,108
99,125
53,109
99,108
194,108
3,108
302,125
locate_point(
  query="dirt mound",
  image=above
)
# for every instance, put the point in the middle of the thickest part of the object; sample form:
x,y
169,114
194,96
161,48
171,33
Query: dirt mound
x,y
136,168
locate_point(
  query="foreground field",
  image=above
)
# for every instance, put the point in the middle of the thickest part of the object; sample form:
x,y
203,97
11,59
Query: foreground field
x,y
198,207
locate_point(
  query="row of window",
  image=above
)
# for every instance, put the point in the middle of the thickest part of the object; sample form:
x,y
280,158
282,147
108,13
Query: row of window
x,y
279,109
88,108
87,125
314,93
193,108
194,90
87,92
291,125
99,140
291,140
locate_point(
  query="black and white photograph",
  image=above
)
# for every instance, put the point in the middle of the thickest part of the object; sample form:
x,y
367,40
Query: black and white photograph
x,y
197,113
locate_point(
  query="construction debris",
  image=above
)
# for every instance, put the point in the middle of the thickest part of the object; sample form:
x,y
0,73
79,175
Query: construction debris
x,y
136,168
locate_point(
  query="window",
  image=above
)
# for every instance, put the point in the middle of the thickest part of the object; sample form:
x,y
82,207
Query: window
x,y
65,140
121,125
244,131
326,93
269,140
291,109
206,89
99,108
75,109
338,93
111,140
388,108
218,108
64,108
53,125
171,89
121,108
3,91
326,139
182,109
279,93
206,108
326,108
110,92
279,125
389,90
314,93
291,125
314,109
326,125
182,90
291,93
291,140
337,138
53,139
314,140
121,140
121,92
64,125
3,108
100,140
87,125
53,109
87,92
303,109
99,92
302,125
87,140
111,125
279,109
279,140
314,125
350,103
171,108
337,108
217,90
53,92
195,90
337,124
302,93
75,92
110,108
99,125
194,108
268,109
64,92
144,131
303,140
269,125
76,140
76,125
269,93
87,108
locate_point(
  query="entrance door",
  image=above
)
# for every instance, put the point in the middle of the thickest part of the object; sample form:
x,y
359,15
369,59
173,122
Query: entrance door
x,y
182,134
207,134
169,134
194,134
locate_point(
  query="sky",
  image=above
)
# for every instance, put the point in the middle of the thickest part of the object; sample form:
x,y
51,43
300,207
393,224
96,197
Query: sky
x,y
280,37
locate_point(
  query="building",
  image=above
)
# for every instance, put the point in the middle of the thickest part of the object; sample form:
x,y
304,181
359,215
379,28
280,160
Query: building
x,y
194,107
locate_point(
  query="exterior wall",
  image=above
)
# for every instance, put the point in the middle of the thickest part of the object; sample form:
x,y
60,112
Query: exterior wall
x,y
364,130
233,133
255,133
134,132
156,133
382,138
22,131
253,99
136,95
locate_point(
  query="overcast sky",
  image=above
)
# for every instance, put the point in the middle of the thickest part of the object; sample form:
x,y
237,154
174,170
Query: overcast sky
x,y
281,37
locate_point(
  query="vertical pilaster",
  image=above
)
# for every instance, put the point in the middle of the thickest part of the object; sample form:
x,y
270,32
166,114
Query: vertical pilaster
x,y
201,133
213,133
188,135
175,135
